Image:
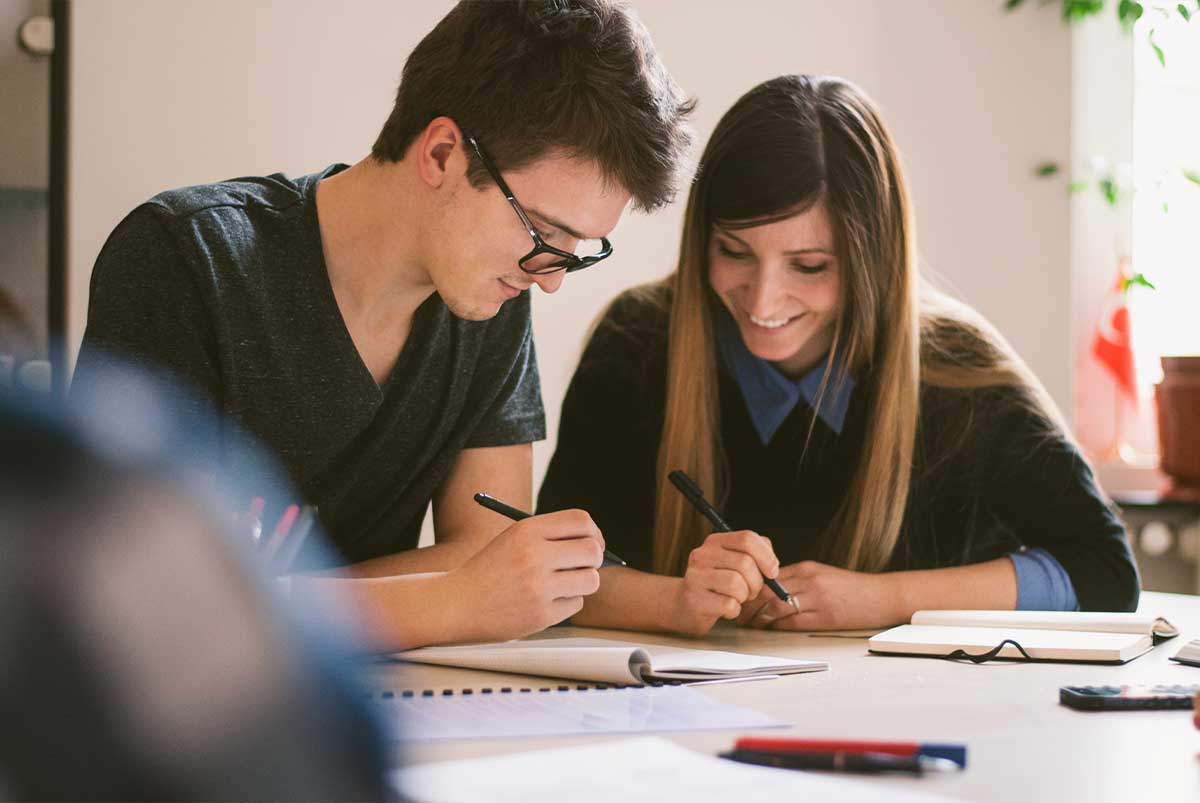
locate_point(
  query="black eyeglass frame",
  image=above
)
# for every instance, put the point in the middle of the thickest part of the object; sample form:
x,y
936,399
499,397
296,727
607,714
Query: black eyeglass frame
x,y
567,261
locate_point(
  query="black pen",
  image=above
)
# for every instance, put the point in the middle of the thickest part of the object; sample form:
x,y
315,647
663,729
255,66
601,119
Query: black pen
x,y
691,491
494,504
843,761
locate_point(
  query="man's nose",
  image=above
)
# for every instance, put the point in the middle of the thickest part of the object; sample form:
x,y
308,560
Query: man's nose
x,y
549,282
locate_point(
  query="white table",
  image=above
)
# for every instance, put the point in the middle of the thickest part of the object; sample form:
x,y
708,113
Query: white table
x,y
1022,745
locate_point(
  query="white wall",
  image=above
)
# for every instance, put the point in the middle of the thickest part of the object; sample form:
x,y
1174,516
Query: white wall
x,y
166,94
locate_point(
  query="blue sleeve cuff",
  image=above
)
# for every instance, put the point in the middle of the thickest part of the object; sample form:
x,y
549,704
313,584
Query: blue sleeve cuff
x,y
1042,583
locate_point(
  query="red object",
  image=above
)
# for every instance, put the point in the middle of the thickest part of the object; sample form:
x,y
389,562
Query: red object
x,y
281,530
826,746
287,520
1112,344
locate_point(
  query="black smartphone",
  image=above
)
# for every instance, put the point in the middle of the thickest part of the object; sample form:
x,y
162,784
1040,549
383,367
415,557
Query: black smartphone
x,y
1127,698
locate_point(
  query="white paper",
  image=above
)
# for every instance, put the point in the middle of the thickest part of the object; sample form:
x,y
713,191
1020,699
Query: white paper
x,y
606,660
1091,621
1065,645
570,712
630,771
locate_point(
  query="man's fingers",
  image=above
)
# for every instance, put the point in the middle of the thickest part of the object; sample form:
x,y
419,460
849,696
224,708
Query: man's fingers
x,y
574,583
575,553
565,608
565,524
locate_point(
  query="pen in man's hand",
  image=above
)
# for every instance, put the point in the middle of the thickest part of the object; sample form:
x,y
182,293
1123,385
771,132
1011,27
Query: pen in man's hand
x,y
691,491
495,505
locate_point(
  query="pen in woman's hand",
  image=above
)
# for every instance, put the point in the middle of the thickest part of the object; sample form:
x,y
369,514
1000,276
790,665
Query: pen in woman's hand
x,y
691,491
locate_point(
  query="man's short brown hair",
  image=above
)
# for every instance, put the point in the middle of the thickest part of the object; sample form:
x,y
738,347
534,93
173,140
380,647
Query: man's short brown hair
x,y
529,76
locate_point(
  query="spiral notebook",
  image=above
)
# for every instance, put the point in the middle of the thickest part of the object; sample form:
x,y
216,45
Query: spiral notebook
x,y
610,661
522,711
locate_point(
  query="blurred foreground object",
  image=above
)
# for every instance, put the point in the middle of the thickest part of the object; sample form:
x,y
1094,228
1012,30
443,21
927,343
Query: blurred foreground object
x,y
141,654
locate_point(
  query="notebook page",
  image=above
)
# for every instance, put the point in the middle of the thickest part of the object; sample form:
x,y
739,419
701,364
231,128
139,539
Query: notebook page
x,y
1189,654
1043,644
548,711
1096,622
594,659
641,770
608,661
677,663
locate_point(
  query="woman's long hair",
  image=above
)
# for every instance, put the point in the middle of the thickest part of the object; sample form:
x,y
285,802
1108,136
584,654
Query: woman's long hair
x,y
784,146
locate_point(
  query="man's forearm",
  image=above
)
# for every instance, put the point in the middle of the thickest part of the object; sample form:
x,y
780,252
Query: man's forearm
x,y
389,613
443,557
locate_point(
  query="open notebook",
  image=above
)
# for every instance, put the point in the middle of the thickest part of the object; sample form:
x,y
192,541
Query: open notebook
x,y
1190,654
605,661
1044,635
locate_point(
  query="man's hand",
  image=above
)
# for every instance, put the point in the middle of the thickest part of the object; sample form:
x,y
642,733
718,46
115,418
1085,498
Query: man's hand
x,y
827,598
722,573
532,575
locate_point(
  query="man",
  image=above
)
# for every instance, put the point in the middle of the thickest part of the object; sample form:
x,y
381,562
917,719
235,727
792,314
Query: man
x,y
370,323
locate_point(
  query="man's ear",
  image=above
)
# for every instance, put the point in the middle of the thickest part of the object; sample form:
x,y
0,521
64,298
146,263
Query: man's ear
x,y
439,154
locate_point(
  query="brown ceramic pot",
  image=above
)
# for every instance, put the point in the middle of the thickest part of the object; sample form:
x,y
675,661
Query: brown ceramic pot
x,y
1178,400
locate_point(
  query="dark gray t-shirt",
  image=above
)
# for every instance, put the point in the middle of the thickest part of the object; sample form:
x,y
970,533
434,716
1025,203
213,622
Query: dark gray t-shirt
x,y
225,287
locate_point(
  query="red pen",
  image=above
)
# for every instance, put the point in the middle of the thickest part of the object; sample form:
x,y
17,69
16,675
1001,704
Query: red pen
x,y
955,752
281,530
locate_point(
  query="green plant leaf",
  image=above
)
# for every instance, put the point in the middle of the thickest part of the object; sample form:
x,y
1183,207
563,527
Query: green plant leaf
x,y
1079,9
1110,190
1136,280
1011,4
1183,12
1047,169
1077,186
1192,176
1157,50
1129,12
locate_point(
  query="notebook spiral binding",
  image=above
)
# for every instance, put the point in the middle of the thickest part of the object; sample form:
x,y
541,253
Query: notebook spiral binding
x,y
408,694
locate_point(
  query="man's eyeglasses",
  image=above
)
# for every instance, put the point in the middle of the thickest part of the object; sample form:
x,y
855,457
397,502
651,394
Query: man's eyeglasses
x,y
560,259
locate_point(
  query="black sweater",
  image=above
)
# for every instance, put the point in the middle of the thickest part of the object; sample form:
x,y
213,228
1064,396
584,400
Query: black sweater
x,y
989,476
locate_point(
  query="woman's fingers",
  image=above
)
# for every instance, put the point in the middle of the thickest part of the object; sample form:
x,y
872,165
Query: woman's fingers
x,y
751,609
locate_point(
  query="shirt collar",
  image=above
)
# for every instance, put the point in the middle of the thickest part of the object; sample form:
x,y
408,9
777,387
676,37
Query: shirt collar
x,y
770,396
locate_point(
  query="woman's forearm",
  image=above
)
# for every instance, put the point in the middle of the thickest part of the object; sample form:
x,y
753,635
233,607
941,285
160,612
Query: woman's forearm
x,y
632,600
981,586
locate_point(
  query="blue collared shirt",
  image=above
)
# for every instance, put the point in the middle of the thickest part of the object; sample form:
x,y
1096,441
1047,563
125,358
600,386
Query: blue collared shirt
x,y
770,396
1042,582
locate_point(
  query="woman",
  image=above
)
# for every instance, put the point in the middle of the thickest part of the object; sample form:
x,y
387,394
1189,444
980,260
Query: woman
x,y
882,444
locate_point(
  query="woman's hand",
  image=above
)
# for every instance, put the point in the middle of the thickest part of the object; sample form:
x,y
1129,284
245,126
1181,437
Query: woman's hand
x,y
828,598
722,573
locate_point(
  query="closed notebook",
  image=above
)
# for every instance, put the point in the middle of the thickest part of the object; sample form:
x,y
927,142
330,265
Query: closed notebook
x,y
1044,635
606,661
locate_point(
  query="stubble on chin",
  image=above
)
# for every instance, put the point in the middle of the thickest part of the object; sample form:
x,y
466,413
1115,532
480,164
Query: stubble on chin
x,y
471,311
